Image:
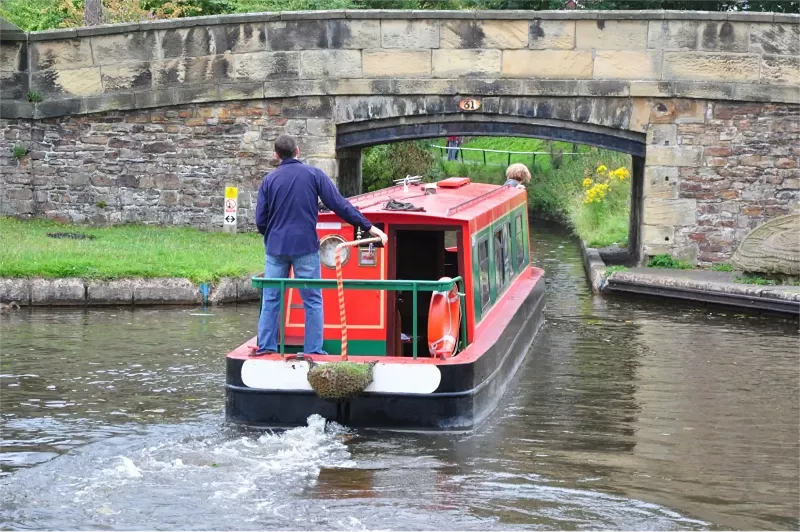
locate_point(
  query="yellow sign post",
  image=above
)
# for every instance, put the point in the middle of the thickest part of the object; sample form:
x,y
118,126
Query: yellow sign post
x,y
231,207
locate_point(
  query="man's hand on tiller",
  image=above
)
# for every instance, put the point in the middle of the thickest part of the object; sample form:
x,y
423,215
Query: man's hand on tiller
x,y
374,231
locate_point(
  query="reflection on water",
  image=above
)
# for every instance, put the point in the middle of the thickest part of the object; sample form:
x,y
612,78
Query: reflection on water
x,y
627,414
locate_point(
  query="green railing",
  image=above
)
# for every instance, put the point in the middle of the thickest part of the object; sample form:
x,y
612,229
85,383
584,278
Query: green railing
x,y
359,284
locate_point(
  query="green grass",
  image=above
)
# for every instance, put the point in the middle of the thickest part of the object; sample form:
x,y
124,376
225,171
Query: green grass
x,y
667,261
126,251
766,280
555,190
722,267
614,269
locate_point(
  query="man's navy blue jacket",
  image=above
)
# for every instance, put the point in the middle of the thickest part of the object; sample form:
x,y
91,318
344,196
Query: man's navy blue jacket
x,y
287,208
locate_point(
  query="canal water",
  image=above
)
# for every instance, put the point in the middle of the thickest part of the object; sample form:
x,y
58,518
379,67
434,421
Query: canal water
x,y
626,415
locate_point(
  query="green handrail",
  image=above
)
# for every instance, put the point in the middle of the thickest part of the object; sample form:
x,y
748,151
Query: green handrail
x,y
370,284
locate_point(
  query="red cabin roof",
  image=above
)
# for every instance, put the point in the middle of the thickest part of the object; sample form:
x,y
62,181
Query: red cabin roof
x,y
455,199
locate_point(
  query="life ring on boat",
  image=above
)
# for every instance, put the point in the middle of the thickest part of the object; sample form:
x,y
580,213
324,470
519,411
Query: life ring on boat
x,y
444,317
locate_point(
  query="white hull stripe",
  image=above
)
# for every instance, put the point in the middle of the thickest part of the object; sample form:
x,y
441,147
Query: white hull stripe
x,y
386,378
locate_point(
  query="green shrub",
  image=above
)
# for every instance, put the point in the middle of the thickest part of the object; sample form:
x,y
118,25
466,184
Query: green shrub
x,y
667,261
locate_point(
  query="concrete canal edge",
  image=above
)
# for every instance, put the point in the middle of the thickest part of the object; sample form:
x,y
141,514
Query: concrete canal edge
x,y
160,291
701,287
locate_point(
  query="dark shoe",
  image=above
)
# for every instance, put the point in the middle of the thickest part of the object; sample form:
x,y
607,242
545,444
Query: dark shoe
x,y
263,352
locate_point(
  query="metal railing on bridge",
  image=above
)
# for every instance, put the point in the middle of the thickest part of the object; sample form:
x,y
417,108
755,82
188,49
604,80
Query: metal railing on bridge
x,y
460,151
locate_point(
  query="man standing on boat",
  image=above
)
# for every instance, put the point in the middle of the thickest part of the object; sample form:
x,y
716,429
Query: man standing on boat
x,y
286,214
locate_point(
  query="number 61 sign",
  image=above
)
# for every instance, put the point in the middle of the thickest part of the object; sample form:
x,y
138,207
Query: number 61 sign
x,y
469,104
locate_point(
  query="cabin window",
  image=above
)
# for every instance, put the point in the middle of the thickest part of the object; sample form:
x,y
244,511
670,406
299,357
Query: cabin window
x,y
483,265
502,257
520,241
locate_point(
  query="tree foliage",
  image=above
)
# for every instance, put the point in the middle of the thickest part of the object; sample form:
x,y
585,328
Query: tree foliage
x,y
382,165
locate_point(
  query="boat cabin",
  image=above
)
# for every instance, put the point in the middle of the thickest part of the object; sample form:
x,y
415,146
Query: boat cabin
x,y
453,228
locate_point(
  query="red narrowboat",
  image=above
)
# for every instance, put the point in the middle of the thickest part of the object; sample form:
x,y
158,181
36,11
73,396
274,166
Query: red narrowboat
x,y
447,310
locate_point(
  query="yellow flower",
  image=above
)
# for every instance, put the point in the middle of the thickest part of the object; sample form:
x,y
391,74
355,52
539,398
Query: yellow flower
x,y
587,182
602,169
596,193
621,173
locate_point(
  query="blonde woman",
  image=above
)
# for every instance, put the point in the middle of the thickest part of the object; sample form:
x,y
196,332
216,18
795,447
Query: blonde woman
x,y
516,175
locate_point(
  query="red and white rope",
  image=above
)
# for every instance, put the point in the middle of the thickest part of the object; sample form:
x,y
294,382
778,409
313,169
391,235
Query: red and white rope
x,y
340,285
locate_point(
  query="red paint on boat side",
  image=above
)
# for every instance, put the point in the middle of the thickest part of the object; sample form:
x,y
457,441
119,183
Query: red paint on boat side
x,y
486,335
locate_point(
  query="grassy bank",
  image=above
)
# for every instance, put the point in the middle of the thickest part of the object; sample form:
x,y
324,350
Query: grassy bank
x,y
557,187
125,251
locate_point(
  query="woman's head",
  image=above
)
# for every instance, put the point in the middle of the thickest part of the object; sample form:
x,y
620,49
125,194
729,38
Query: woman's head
x,y
518,172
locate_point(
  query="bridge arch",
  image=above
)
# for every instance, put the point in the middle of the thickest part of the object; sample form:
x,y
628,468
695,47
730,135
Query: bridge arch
x,y
154,119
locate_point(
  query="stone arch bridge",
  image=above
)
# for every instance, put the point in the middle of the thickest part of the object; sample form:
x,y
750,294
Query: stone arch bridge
x,y
148,122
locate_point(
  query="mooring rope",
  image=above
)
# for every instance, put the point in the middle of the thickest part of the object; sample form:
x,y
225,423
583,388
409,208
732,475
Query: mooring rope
x,y
340,285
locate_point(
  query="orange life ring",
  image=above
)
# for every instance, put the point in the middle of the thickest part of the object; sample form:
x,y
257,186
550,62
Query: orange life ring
x,y
444,317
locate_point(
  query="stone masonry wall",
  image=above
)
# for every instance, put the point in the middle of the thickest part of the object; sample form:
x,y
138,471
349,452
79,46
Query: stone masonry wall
x,y
714,172
166,166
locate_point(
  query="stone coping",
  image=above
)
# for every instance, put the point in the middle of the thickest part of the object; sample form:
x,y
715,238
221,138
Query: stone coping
x,y
399,87
389,14
136,291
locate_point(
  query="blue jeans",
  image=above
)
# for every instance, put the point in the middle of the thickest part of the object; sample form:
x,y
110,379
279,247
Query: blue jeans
x,y
305,267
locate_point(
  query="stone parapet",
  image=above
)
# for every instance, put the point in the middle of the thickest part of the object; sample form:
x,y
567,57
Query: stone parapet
x,y
731,56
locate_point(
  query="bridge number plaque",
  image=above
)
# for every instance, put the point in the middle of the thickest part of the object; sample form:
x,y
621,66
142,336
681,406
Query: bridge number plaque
x,y
469,104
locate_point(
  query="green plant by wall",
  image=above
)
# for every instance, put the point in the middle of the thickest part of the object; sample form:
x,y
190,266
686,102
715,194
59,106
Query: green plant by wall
x,y
722,267
19,151
669,262
101,204
34,97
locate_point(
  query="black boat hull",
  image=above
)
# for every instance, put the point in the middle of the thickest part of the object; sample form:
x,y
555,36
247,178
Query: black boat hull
x,y
466,395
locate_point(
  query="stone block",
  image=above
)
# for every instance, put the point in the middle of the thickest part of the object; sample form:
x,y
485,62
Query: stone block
x,y
318,64
243,38
297,35
775,39
696,66
673,34
416,34
318,127
657,236
155,98
354,34
491,87
724,37
198,41
61,54
319,147
260,66
109,102
13,56
611,34
197,94
766,93
326,164
124,47
193,70
488,34
780,69
669,212
674,155
396,63
553,64
15,290
224,292
242,91
640,115
678,111
661,182
10,109
551,34
245,290
426,86
312,107
64,83
620,64
14,85
165,292
359,86
126,76
109,292
662,135
290,88
54,108
461,63
57,292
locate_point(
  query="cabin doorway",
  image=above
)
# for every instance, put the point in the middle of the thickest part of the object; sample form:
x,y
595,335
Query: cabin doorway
x,y
428,254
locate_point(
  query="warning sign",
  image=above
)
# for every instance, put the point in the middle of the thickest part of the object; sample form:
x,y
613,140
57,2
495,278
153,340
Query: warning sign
x,y
230,219
231,193
230,205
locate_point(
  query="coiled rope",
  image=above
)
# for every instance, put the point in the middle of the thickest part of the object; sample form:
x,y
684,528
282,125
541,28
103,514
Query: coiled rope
x,y
340,285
